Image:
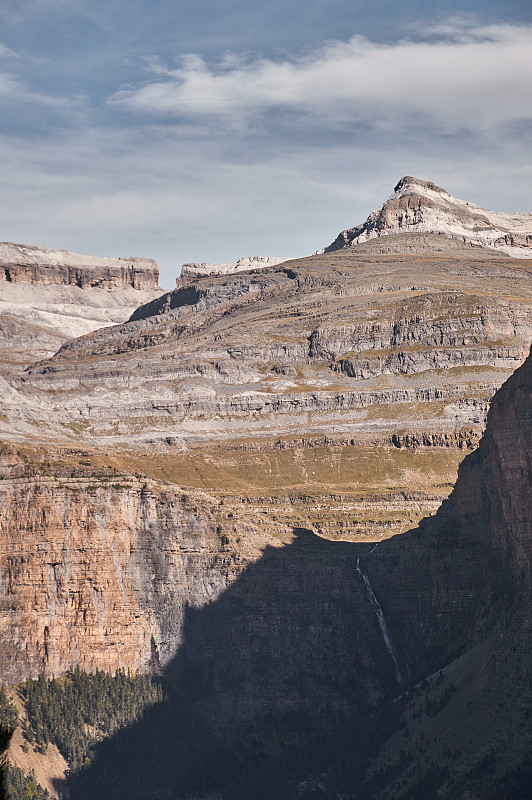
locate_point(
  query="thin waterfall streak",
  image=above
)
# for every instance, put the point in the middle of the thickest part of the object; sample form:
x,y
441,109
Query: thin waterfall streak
x,y
382,624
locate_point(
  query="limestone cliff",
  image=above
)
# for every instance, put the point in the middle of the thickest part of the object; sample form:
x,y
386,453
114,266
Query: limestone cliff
x,y
366,351
474,558
329,343
98,571
273,691
20,263
50,296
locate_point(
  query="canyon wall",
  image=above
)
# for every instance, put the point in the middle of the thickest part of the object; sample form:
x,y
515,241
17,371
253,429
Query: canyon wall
x,y
99,573
346,670
470,566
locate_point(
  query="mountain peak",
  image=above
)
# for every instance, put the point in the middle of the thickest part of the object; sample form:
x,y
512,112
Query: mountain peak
x,y
410,182
422,207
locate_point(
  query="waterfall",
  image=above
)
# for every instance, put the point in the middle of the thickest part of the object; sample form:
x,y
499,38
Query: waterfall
x,y
382,624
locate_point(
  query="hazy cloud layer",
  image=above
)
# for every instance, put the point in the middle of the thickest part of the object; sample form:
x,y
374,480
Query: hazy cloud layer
x,y
469,78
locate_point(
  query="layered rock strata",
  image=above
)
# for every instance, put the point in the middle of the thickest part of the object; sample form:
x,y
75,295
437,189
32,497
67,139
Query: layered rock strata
x,y
457,596
330,344
99,572
421,207
35,265
50,296
370,353
273,690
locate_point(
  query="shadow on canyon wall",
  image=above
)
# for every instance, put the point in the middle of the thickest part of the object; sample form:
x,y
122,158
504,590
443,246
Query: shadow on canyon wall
x,y
290,652
293,670
5,738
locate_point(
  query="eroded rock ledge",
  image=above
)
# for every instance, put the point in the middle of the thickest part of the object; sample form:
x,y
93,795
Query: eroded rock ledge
x,y
32,264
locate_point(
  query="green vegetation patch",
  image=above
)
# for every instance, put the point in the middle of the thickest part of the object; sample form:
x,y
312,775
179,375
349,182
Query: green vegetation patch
x,y
8,712
79,709
21,786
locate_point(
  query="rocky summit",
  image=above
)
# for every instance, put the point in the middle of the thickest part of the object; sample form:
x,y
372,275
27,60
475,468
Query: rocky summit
x,y
421,207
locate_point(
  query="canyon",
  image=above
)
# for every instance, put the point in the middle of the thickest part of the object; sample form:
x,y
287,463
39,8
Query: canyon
x,y
222,484
343,670
336,393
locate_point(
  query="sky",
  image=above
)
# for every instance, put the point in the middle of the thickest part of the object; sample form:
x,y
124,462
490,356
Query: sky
x,y
191,130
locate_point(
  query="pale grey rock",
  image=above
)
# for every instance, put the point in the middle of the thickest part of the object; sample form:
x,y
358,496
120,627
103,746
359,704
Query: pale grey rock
x,y
309,346
421,207
50,296
193,271
33,264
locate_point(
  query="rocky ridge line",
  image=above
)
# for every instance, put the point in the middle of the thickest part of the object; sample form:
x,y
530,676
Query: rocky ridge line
x,y
193,271
50,296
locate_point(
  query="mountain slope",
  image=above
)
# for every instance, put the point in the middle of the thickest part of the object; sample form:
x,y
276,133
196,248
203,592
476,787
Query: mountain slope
x,y
342,352
336,393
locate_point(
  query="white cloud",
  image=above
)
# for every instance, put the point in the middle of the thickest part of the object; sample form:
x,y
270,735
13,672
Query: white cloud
x,y
462,78
14,90
6,52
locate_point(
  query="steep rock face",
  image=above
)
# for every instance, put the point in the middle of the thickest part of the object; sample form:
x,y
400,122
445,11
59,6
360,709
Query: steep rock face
x,y
457,596
396,352
418,206
328,336
99,574
474,559
32,264
191,272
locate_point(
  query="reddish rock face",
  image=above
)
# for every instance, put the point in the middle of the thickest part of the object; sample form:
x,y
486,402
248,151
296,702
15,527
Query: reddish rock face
x,y
99,576
30,264
310,634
